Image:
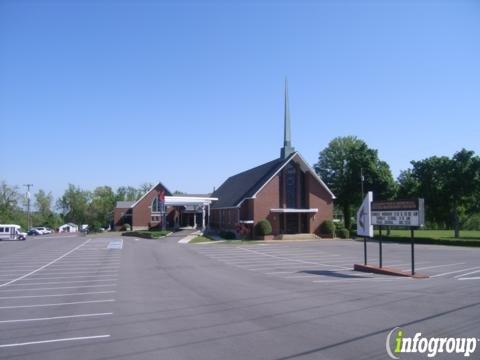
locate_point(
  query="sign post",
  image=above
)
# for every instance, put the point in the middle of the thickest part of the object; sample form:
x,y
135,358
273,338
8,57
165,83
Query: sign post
x,y
364,222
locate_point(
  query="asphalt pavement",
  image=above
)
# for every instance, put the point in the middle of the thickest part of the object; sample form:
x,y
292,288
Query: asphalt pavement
x,y
110,297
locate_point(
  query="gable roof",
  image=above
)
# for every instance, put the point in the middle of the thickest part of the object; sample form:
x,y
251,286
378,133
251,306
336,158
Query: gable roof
x,y
245,184
248,184
167,192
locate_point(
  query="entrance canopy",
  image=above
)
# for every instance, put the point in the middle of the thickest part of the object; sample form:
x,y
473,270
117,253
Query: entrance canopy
x,y
293,211
188,201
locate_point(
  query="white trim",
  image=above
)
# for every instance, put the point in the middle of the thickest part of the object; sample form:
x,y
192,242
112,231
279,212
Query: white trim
x,y
148,192
225,207
312,171
246,221
289,210
309,168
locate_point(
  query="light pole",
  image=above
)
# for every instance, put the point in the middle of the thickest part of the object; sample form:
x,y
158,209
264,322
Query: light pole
x,y
29,220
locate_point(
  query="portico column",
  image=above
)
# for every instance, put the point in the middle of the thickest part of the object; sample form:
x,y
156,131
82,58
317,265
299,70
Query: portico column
x,y
195,218
203,217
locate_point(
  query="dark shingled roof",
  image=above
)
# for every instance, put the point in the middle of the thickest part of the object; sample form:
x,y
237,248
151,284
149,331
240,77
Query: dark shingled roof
x,y
246,184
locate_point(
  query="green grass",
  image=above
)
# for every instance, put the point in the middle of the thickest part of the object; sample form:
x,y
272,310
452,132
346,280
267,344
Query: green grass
x,y
442,237
147,234
200,239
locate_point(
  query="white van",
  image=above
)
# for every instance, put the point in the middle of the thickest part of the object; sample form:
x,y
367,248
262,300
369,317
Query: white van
x,y
11,232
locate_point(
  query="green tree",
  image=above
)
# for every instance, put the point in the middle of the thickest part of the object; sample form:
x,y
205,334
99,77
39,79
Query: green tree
x,y
10,210
450,186
340,166
101,207
74,205
127,193
44,214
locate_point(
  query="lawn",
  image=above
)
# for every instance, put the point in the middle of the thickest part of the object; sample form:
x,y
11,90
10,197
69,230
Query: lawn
x,y
445,237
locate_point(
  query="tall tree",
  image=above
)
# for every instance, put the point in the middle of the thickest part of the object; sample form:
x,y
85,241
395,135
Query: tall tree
x,y
74,205
341,164
101,207
10,210
450,186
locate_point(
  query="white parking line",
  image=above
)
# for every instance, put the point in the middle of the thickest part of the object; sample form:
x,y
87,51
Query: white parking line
x,y
72,277
59,287
455,272
470,278
291,260
54,318
436,266
56,304
86,272
55,340
470,273
44,266
56,295
63,282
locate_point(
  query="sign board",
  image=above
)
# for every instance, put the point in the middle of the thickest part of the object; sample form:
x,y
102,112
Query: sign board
x,y
409,213
364,223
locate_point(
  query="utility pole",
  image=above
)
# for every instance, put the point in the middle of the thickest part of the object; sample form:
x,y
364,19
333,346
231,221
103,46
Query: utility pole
x,y
29,220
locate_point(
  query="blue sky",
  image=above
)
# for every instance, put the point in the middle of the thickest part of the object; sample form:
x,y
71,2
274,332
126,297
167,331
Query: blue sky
x,y
191,92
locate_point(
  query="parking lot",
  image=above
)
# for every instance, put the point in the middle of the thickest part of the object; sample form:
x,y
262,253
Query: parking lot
x,y
108,298
53,290
329,261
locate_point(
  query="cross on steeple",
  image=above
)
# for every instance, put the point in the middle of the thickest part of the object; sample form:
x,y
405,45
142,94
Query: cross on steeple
x,y
287,148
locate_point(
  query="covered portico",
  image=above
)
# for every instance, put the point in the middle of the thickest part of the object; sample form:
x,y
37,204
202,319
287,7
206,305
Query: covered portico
x,y
294,221
199,206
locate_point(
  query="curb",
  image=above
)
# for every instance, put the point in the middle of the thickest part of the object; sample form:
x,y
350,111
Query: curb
x,y
387,271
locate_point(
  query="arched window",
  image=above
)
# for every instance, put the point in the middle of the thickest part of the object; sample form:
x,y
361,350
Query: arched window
x,y
291,186
156,205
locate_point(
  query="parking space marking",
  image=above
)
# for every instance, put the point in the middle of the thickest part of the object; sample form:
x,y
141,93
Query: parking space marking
x,y
55,340
44,266
454,272
469,273
59,287
54,318
470,278
56,304
63,282
291,260
56,295
72,277
436,266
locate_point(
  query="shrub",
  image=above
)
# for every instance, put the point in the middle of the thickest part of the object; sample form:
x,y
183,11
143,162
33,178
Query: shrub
x,y
228,235
473,223
263,227
327,228
242,230
126,227
343,233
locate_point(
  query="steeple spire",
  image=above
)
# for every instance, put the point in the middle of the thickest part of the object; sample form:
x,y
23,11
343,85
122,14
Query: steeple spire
x,y
287,148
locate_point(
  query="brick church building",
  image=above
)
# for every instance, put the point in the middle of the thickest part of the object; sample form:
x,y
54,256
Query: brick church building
x,y
286,191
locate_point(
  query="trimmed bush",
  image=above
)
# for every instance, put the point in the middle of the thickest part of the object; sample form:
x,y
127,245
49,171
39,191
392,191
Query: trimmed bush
x,y
327,228
126,227
343,233
228,235
263,228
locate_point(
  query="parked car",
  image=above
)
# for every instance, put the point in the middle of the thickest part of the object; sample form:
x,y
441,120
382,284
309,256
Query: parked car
x,y
34,232
43,230
11,232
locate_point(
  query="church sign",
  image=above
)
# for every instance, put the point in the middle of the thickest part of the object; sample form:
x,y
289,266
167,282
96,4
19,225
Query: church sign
x,y
410,213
